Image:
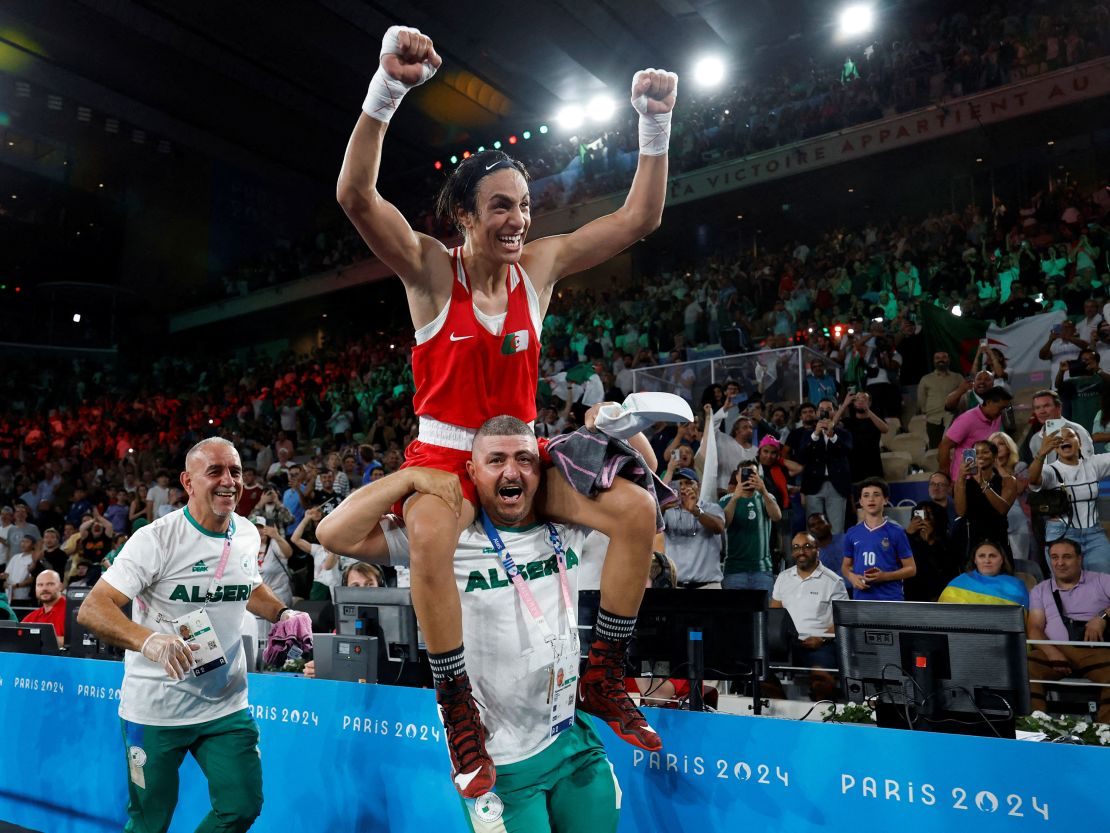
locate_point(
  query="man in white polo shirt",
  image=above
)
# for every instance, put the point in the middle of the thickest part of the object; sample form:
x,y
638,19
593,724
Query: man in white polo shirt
x,y
807,591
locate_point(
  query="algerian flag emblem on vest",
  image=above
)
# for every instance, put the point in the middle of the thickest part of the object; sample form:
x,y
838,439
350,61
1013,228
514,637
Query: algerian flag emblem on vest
x,y
515,343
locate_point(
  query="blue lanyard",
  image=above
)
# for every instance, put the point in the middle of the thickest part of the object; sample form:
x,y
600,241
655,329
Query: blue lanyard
x,y
522,589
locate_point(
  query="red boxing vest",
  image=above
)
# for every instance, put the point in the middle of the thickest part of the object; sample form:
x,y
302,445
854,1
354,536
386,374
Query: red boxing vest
x,y
464,374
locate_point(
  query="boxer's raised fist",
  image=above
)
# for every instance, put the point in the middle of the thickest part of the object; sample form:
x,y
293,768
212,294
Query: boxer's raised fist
x,y
654,91
409,56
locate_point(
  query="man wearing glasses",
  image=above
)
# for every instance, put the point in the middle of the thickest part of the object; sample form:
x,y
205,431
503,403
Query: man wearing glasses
x,y
807,591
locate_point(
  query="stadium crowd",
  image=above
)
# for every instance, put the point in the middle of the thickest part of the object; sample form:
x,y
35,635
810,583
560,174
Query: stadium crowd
x,y
802,482
924,60
83,464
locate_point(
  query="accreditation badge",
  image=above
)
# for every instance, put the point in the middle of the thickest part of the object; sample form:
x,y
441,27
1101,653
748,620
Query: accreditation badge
x,y
196,629
563,685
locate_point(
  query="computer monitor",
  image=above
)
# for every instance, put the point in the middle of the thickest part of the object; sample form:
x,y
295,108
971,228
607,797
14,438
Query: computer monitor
x,y
350,658
357,608
721,633
81,642
957,668
27,638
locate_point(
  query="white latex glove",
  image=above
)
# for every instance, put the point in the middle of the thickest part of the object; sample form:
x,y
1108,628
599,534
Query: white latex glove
x,y
171,652
289,613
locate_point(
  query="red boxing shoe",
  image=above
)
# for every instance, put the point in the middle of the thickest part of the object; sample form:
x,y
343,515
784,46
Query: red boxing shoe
x,y
471,766
601,693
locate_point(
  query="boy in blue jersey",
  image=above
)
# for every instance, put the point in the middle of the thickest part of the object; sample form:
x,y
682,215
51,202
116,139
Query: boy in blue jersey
x,y
877,554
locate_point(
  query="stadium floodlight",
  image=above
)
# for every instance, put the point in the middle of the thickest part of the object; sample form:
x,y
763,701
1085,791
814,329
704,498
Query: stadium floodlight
x,y
570,117
857,19
76,318
600,108
709,71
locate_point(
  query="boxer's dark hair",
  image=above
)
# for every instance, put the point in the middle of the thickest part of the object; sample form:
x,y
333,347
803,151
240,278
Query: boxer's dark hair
x,y
460,191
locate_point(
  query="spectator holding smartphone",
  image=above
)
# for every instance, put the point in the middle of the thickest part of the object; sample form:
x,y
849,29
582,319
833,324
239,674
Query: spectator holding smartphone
x,y
1082,391
750,512
1048,409
1063,345
1079,475
931,553
827,478
866,428
984,496
693,534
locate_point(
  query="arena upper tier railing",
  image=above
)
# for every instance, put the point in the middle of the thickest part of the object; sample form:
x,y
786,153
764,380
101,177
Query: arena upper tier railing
x,y
776,375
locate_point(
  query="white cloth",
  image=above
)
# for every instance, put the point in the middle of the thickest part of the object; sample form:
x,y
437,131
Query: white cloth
x,y
809,601
639,412
505,653
168,567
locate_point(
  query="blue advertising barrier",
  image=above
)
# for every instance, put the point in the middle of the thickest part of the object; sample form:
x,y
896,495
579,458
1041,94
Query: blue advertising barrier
x,y
344,757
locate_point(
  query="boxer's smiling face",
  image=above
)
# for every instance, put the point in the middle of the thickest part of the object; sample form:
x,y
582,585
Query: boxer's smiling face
x,y
499,225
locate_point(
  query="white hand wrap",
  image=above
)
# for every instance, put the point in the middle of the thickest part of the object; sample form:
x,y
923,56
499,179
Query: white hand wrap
x,y
655,128
385,93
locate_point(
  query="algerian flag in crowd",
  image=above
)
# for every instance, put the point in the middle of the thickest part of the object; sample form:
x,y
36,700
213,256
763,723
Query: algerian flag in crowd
x,y
564,383
1019,342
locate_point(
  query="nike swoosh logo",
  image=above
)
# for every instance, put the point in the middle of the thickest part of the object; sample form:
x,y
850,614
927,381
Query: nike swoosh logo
x,y
494,165
459,338
462,780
